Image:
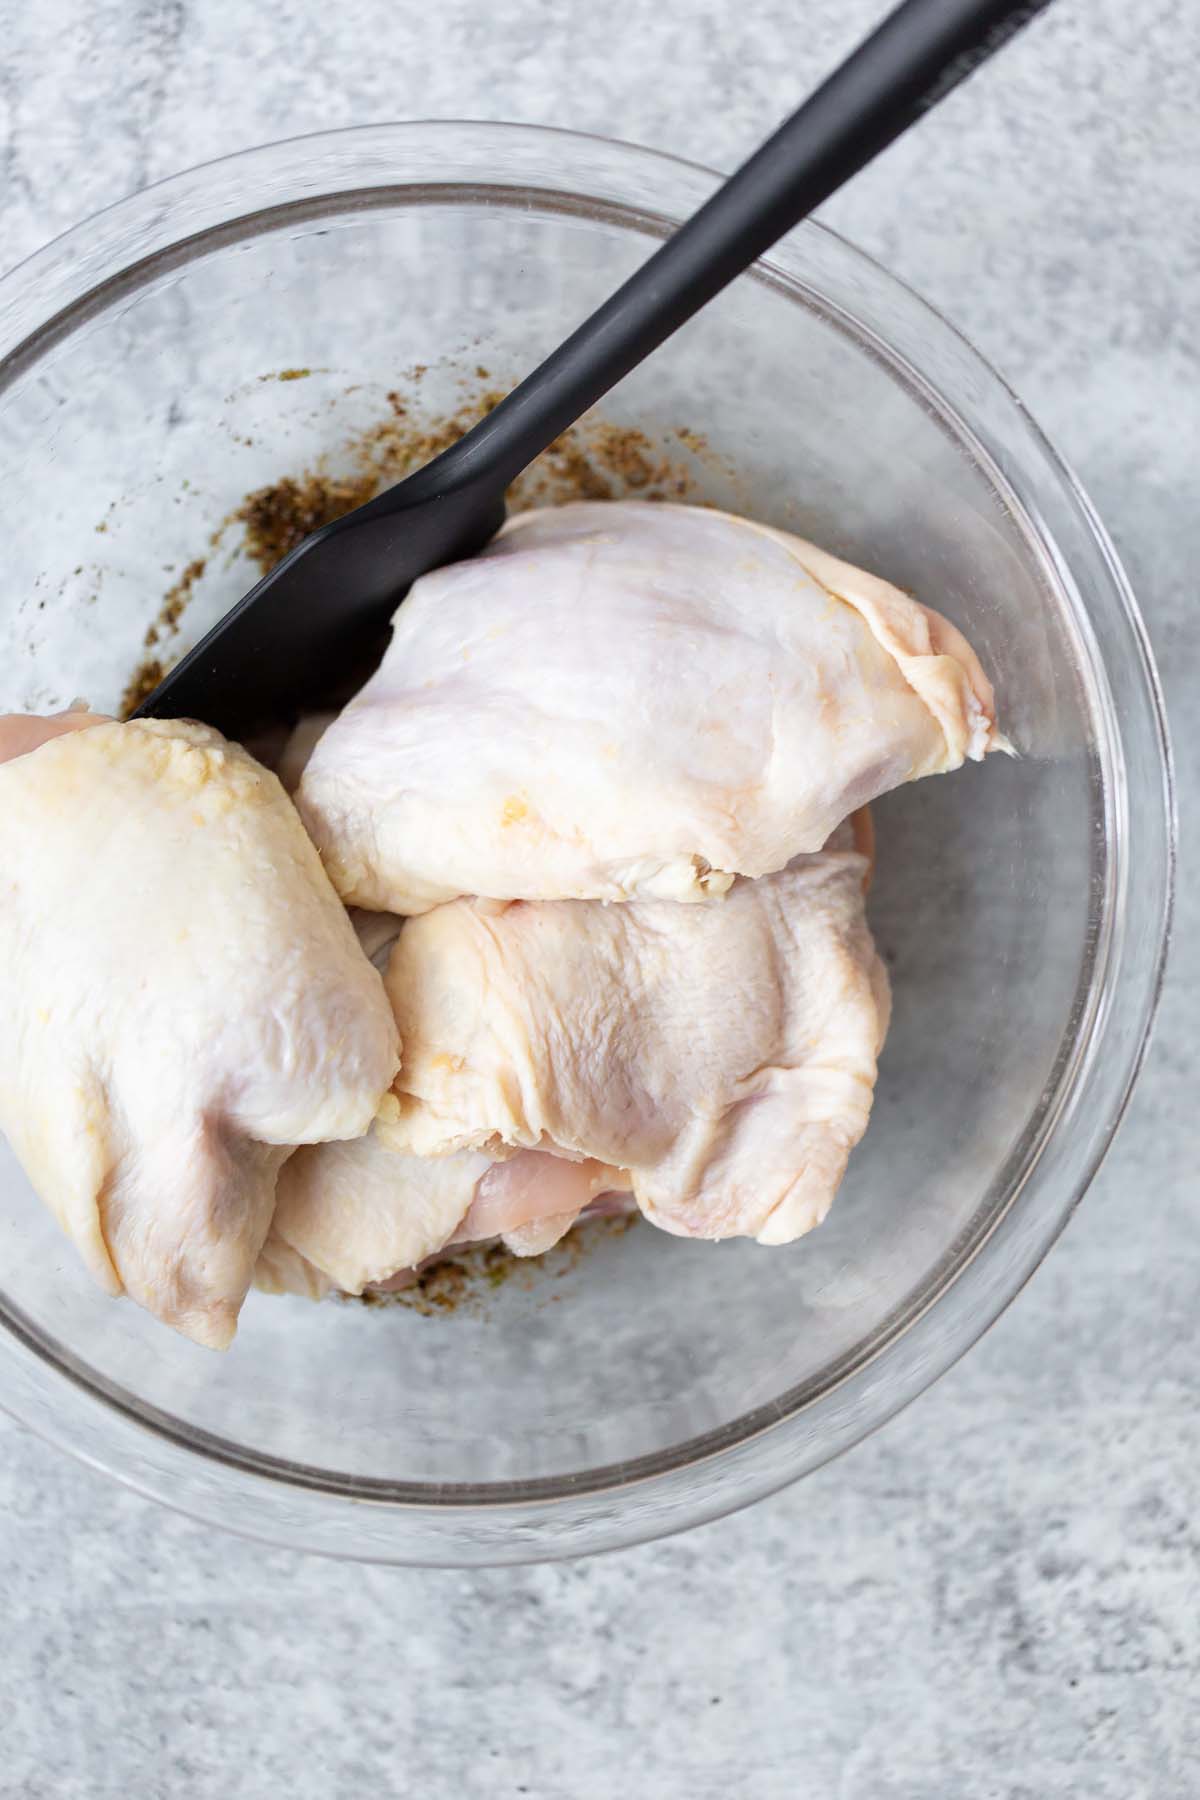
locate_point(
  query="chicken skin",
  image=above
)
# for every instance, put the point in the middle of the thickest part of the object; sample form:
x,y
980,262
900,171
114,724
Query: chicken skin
x,y
724,1056
624,701
184,1000
353,1216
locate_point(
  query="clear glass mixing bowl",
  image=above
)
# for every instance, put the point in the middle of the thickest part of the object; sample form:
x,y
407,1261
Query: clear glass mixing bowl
x,y
1023,906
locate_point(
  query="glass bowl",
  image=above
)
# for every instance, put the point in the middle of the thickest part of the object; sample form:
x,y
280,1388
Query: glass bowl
x,y
246,319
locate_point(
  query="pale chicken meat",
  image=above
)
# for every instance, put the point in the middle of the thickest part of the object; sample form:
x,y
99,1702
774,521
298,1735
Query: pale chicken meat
x,y
352,1216
632,700
298,747
184,1000
358,1212
724,1056
282,1270
533,1199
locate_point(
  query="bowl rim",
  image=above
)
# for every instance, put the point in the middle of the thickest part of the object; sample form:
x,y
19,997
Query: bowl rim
x,y
701,1477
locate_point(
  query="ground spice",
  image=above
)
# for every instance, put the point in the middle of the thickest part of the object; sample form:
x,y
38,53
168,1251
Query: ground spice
x,y
599,461
174,602
277,518
141,685
151,669
593,460
464,1280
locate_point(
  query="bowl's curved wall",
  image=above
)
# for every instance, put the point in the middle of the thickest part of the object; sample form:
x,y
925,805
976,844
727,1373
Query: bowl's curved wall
x,y
655,1381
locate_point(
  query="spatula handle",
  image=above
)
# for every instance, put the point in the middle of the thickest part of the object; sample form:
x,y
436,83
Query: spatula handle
x,y
918,55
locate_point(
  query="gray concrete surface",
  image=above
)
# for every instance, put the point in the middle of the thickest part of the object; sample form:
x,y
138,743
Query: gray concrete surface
x,y
997,1597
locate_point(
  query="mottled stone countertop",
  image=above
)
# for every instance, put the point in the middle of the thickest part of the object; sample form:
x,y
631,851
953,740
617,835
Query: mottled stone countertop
x,y
1019,1620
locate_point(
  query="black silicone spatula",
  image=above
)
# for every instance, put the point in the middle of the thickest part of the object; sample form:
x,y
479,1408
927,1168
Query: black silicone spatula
x,y
323,613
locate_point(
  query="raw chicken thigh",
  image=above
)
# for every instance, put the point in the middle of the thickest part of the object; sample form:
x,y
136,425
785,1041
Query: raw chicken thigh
x,y
22,732
358,1212
649,704
183,1000
627,700
723,1055
352,1216
533,1199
